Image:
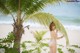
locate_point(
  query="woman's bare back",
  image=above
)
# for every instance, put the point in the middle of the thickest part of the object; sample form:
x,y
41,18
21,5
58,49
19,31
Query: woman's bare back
x,y
53,35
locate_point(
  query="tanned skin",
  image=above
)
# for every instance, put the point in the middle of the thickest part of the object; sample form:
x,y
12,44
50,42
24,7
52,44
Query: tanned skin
x,y
54,37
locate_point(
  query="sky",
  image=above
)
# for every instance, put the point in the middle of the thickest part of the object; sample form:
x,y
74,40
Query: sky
x,y
68,13
71,9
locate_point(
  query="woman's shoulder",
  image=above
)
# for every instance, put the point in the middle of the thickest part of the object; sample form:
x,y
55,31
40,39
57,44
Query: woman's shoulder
x,y
54,32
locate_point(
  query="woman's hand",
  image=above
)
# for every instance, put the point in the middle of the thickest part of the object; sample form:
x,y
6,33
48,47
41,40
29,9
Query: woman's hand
x,y
60,37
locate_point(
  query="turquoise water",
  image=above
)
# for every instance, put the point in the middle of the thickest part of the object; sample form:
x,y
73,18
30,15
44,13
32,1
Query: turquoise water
x,y
63,19
75,21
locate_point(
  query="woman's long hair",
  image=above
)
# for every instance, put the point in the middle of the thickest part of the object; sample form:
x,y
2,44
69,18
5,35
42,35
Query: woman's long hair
x,y
51,25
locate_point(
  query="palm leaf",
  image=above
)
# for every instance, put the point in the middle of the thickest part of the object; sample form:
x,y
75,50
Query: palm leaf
x,y
46,19
39,35
3,8
27,6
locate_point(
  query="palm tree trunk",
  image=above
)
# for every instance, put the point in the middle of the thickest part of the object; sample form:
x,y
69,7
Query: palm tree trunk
x,y
18,29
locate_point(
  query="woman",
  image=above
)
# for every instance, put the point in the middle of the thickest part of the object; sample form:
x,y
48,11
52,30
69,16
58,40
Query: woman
x,y
54,37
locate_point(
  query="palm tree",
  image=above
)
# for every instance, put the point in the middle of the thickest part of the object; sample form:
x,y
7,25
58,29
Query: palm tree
x,y
19,9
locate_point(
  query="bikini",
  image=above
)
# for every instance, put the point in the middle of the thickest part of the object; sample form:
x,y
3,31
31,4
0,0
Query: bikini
x,y
52,42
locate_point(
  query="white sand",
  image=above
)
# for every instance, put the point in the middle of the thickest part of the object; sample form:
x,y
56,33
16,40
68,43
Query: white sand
x,y
73,34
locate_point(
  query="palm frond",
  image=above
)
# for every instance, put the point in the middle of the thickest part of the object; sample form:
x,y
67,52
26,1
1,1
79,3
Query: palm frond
x,y
53,1
39,35
3,8
27,6
46,19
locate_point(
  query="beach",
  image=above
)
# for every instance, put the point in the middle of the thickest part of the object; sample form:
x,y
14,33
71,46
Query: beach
x,y
73,34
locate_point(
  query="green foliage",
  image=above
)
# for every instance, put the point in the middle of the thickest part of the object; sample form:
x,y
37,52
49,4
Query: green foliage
x,y
60,50
3,46
27,6
11,50
36,46
3,8
6,43
9,39
60,45
39,35
44,44
27,51
71,50
23,45
76,46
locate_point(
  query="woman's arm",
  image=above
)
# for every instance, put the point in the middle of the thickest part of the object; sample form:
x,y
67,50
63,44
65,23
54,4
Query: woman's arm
x,y
60,37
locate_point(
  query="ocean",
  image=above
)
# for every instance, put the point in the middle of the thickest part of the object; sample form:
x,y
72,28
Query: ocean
x,y
68,22
75,21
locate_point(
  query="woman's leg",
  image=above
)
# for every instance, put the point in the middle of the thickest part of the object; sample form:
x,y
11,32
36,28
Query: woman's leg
x,y
53,48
